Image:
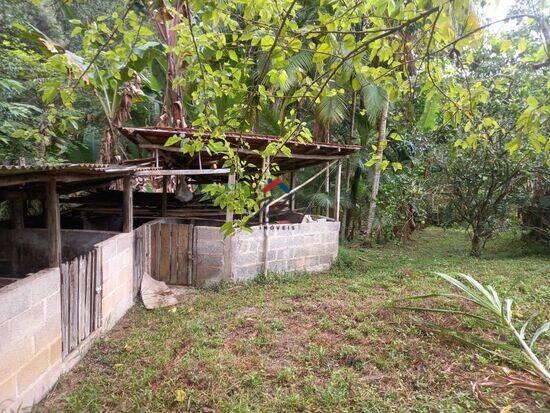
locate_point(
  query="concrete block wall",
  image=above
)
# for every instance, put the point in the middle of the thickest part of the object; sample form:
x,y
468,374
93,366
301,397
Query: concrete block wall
x,y
30,339
30,325
210,256
118,277
290,248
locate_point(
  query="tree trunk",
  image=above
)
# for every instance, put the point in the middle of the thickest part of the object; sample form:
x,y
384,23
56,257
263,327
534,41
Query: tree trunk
x,y
165,22
380,144
476,246
344,220
107,149
354,192
347,173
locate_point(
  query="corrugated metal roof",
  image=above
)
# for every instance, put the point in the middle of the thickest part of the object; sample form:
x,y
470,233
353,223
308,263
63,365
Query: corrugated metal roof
x,y
247,144
19,169
163,132
65,174
71,167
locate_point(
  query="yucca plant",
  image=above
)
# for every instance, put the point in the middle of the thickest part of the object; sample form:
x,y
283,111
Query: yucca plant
x,y
497,312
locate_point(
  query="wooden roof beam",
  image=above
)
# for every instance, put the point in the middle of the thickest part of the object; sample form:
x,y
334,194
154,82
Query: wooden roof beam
x,y
251,152
185,172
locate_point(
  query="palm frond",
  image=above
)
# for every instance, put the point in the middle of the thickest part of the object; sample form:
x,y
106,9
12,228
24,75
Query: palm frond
x,y
374,98
321,200
333,109
301,61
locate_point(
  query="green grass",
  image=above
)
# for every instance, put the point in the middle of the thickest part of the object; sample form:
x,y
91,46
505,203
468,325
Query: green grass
x,y
314,343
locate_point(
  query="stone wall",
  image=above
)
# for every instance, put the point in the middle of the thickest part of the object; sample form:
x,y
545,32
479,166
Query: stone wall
x,y
290,248
30,341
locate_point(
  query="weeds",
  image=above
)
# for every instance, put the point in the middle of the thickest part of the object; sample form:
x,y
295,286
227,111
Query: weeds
x,y
312,343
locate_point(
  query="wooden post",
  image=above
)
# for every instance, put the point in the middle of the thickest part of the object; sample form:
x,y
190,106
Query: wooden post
x,y
54,224
231,180
128,206
18,213
293,196
327,187
164,202
228,241
337,191
266,240
17,224
263,181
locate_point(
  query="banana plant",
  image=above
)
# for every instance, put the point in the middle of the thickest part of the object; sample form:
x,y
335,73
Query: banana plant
x,y
115,70
497,312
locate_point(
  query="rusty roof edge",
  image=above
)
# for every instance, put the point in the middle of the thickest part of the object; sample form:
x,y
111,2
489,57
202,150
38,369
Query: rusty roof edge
x,y
161,131
84,168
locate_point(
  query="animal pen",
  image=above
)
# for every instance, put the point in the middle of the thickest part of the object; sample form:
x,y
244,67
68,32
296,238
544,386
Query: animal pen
x,y
81,236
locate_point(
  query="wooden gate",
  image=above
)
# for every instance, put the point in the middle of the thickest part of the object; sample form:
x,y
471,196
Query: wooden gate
x,y
81,281
142,254
170,249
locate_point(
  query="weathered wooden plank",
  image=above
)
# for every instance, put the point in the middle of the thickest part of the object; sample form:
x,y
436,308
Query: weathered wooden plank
x,y
99,286
54,223
156,253
164,201
138,257
128,205
65,308
73,306
164,256
94,293
174,229
184,172
81,296
185,254
191,252
175,254
148,239
89,293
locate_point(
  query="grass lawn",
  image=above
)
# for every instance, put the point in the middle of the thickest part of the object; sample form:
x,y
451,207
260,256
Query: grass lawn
x,y
314,343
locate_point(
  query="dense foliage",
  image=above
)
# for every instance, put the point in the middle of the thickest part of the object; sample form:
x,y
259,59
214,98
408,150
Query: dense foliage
x,y
451,108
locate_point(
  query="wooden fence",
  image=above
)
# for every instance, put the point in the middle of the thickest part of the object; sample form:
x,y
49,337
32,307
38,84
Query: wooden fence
x,y
142,254
171,253
163,250
81,284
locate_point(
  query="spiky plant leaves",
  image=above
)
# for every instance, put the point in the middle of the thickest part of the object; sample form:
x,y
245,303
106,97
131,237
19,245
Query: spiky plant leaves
x,y
300,62
524,326
488,298
499,349
541,330
449,311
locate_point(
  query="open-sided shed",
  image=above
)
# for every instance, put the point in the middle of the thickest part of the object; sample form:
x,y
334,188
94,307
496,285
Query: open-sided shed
x,y
71,261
